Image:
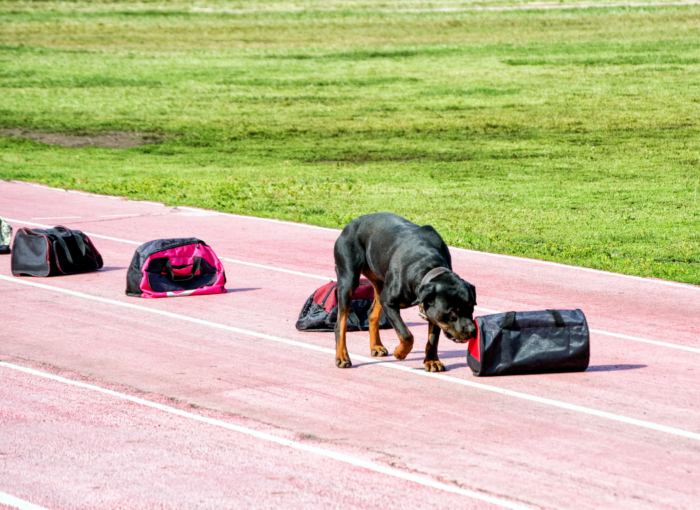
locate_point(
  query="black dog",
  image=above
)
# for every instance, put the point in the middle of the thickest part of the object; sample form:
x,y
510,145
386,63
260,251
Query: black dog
x,y
407,265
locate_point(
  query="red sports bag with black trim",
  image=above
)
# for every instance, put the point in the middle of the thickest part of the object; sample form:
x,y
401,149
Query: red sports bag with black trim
x,y
320,312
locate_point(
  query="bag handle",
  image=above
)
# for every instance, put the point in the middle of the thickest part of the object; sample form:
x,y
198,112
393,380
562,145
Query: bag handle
x,y
335,286
196,265
56,232
558,319
510,318
78,239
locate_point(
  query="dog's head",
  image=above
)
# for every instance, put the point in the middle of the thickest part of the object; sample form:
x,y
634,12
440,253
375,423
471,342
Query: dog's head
x,y
449,302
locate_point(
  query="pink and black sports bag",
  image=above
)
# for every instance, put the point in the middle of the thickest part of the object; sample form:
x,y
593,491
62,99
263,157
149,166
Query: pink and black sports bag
x,y
173,268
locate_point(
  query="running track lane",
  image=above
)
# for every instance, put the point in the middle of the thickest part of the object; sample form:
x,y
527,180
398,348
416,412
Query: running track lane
x,y
155,455
629,395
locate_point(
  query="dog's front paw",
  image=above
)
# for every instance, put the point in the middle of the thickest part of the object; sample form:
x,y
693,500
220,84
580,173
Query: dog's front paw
x,y
434,366
401,352
343,362
379,350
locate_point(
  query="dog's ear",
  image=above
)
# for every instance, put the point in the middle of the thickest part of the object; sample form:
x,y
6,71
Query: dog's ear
x,y
424,292
472,290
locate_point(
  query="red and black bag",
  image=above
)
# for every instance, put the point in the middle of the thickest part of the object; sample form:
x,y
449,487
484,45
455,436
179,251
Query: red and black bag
x,y
54,251
530,343
320,312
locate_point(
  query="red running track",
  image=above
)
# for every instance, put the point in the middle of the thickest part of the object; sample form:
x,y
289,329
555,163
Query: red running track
x,y
625,434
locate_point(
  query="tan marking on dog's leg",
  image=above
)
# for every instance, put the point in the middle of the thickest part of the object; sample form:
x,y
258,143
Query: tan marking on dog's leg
x,y
342,358
375,343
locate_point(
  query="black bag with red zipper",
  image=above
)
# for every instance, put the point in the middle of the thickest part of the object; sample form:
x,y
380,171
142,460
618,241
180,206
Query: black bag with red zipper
x,y
320,312
530,343
53,251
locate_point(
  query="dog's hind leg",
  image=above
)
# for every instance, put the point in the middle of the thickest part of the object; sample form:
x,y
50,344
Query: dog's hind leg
x,y
375,343
348,264
342,357
431,361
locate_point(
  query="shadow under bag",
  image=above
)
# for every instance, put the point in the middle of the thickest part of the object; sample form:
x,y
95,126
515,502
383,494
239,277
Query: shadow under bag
x,y
173,268
53,251
530,343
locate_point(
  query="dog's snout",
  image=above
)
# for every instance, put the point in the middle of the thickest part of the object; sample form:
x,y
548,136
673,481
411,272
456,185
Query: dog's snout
x,y
464,331
471,329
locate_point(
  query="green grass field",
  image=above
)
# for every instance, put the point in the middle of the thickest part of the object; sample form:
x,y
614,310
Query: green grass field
x,y
568,135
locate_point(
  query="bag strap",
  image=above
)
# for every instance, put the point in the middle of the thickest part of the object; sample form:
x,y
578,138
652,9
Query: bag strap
x,y
81,243
196,265
558,319
55,233
333,287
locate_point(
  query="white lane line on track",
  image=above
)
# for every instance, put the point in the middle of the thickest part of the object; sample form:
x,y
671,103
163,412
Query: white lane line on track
x,y
269,220
14,502
348,459
59,218
337,232
242,262
579,268
646,341
99,236
327,279
384,364
299,273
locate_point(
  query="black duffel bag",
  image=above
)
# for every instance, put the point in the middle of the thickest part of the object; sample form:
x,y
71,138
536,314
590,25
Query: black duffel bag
x,y
54,251
530,343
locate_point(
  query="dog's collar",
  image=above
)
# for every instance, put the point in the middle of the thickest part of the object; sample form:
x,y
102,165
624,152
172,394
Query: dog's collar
x,y
429,276
433,273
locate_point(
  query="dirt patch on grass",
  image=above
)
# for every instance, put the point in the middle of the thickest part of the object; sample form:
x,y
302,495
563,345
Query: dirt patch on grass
x,y
106,139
